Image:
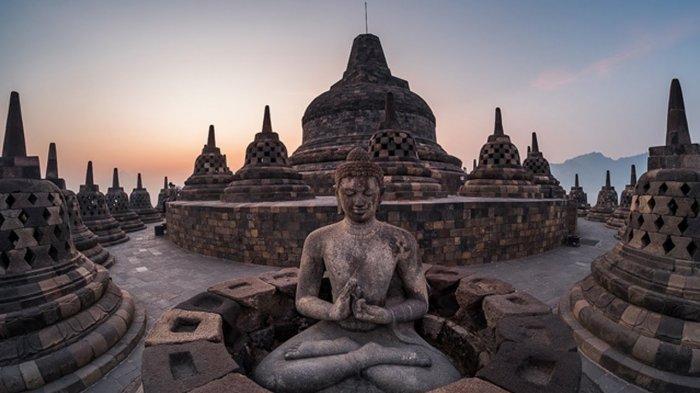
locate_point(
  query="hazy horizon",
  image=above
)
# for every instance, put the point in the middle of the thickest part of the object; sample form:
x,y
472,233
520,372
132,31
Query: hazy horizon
x,y
135,85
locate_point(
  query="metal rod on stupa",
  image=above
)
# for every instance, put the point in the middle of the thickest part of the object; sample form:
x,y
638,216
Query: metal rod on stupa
x,y
52,162
498,126
676,123
14,144
267,123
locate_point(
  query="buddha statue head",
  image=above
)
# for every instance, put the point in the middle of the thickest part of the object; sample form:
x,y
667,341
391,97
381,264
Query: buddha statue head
x,y
359,186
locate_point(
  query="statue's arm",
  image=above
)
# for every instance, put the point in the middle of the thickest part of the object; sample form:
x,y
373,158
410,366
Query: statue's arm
x,y
409,271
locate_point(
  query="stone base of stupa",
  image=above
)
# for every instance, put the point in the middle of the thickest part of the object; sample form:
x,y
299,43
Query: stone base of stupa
x,y
599,215
129,221
552,191
265,190
581,212
202,191
149,216
107,230
87,243
618,219
492,188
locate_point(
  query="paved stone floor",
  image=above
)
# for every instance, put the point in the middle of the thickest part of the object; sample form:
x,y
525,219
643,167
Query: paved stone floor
x,y
161,275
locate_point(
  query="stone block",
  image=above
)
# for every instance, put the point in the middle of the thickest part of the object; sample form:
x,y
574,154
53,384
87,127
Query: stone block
x,y
541,330
472,290
177,326
284,280
469,385
213,303
248,291
441,278
526,368
233,382
497,307
177,368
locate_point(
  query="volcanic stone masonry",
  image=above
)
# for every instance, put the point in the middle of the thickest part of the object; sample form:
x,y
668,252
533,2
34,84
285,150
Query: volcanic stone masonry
x,y
579,198
499,173
63,322
605,204
140,202
349,113
406,177
637,314
163,195
542,175
83,238
95,212
619,217
211,174
266,174
118,203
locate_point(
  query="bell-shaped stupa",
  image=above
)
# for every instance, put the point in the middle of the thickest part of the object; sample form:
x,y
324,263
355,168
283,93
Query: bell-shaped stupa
x,y
605,204
63,322
118,203
266,174
638,313
96,214
499,173
211,174
619,217
541,174
406,177
580,198
163,195
83,238
349,113
140,202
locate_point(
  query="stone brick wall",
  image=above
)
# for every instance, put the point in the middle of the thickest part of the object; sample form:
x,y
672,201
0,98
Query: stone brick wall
x,y
450,231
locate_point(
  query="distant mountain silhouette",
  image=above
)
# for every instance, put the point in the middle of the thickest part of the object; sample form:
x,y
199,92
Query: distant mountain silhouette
x,y
591,169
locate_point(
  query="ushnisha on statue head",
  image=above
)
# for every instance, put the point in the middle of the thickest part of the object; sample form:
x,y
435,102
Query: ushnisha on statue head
x,y
359,185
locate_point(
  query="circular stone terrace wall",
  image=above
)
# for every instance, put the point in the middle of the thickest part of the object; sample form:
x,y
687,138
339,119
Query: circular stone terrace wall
x,y
450,231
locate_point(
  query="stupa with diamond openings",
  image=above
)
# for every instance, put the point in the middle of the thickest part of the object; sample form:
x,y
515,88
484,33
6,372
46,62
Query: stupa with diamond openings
x,y
83,238
163,196
579,198
638,313
96,214
63,322
118,203
605,204
140,202
266,174
211,174
542,175
498,172
406,177
619,217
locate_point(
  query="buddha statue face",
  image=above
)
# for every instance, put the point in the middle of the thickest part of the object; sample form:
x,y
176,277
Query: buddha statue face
x,y
359,197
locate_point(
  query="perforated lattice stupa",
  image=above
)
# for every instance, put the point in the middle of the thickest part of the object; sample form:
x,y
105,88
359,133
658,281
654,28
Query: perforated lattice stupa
x,y
619,217
211,174
83,238
96,214
266,174
63,322
118,203
163,195
406,177
541,173
499,173
605,204
638,312
140,202
580,198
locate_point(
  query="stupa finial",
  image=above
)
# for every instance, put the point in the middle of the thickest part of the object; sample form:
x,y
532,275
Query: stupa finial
x,y
14,144
633,175
89,180
139,184
529,150
52,162
576,184
390,120
115,178
498,127
676,124
165,183
607,179
474,164
535,145
211,139
267,123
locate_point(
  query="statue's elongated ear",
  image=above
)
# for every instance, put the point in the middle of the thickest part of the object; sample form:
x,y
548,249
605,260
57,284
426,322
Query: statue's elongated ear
x,y
336,191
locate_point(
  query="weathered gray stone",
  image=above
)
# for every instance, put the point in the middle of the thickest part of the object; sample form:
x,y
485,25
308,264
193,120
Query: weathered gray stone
x,y
177,326
497,307
248,291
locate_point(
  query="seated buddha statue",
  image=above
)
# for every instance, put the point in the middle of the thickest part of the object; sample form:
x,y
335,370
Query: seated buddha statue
x,y
365,340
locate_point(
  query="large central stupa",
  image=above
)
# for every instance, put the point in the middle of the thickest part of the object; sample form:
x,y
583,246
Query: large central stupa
x,y
349,113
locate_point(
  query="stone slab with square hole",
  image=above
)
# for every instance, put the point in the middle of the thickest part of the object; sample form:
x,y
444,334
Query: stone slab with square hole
x,y
472,290
177,368
177,326
233,382
526,368
542,330
285,280
248,291
497,307
213,303
470,385
441,278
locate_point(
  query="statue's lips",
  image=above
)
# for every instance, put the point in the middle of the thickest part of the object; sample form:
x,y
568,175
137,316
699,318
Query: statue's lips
x,y
360,211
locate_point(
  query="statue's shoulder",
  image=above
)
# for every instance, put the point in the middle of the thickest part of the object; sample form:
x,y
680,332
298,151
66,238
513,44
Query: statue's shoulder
x,y
320,235
397,233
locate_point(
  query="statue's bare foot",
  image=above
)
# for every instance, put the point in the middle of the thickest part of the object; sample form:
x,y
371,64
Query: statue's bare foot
x,y
373,354
312,349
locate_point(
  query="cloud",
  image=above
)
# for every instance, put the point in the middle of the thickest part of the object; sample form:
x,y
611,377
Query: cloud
x,y
556,78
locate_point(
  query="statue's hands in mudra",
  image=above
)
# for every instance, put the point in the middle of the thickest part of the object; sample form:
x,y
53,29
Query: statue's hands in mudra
x,y
342,308
370,313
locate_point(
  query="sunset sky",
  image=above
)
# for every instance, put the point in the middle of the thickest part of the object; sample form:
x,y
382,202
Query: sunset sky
x,y
135,84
